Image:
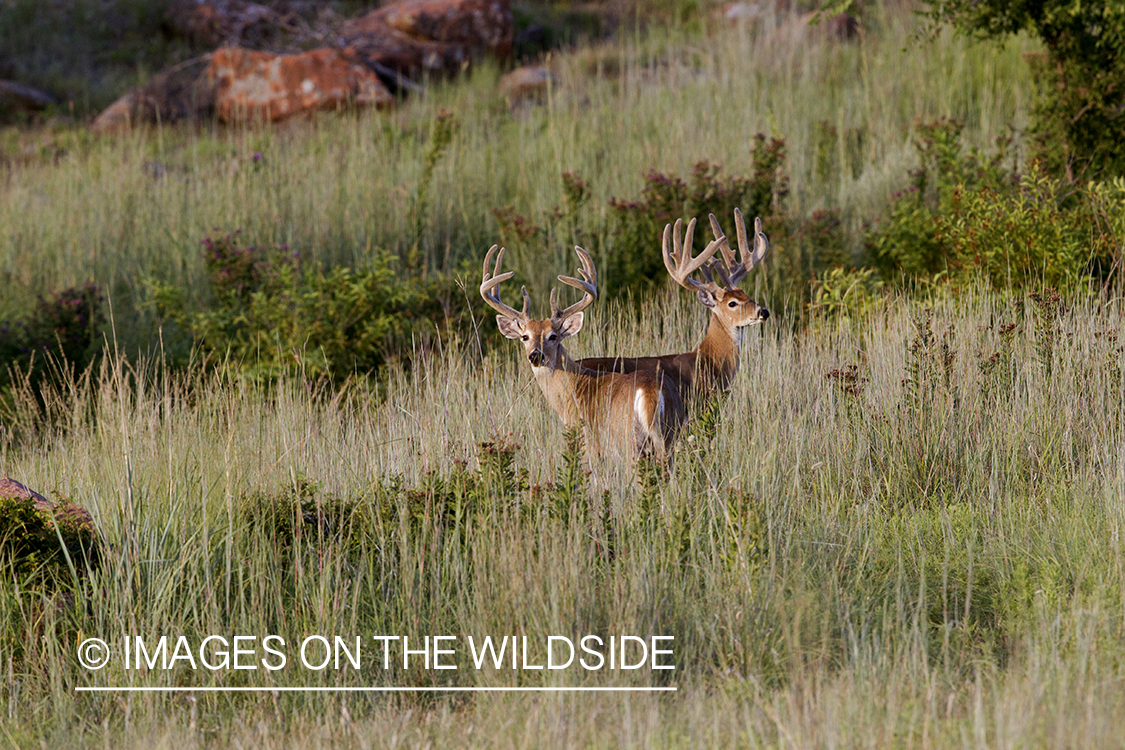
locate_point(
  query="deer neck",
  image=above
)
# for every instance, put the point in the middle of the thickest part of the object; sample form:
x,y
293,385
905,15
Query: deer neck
x,y
559,383
718,352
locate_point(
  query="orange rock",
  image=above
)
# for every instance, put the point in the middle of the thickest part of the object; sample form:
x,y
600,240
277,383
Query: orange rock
x,y
266,87
117,116
181,92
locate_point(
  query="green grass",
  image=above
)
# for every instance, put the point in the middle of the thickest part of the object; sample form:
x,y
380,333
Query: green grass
x,y
119,210
86,53
935,564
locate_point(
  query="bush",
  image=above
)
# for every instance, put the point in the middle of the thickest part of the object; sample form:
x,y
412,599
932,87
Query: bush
x,y
635,263
1017,238
268,313
906,244
1079,114
632,261
61,337
39,549
968,217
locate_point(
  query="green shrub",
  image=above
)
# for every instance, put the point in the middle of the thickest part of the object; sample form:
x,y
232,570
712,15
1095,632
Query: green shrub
x,y
632,259
269,313
968,217
1079,113
906,244
634,263
39,549
61,337
1017,238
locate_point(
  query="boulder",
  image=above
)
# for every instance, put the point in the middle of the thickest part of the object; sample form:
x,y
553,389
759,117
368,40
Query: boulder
x,y
798,30
182,92
18,96
411,36
740,12
211,23
266,87
238,84
79,516
480,25
528,82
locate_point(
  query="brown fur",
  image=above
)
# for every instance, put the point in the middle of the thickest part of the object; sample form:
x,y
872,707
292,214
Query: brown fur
x,y
712,365
604,403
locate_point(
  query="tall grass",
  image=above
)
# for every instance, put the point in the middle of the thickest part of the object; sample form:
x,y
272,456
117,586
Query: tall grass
x,y
922,550
119,210
933,562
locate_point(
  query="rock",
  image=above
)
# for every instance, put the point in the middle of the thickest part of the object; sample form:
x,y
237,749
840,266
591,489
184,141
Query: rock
x,y
740,12
411,36
24,98
10,488
481,25
799,30
262,86
117,116
182,92
399,40
237,83
528,82
211,23
752,13
385,49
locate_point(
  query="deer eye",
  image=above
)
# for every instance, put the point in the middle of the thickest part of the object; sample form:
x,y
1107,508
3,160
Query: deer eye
x,y
732,303
525,337
552,337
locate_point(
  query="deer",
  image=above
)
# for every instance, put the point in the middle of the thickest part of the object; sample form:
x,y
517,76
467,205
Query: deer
x,y
643,408
711,366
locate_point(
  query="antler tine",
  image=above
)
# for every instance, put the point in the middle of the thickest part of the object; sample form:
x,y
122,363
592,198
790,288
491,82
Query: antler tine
x,y
749,260
728,254
677,255
761,244
672,256
491,281
588,284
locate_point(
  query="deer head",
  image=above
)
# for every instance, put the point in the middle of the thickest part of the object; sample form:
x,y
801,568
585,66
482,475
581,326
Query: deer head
x,y
542,339
719,290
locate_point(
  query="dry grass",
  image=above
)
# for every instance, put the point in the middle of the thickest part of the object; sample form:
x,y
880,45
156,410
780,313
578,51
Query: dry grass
x,y
941,569
339,189
932,560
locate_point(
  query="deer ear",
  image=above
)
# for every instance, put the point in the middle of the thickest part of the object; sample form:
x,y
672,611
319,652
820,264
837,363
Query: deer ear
x,y
572,325
508,327
706,298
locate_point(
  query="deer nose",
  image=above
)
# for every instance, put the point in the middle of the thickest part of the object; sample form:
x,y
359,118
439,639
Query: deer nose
x,y
763,314
535,358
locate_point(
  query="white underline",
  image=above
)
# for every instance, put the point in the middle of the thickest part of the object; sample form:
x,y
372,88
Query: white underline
x,y
220,689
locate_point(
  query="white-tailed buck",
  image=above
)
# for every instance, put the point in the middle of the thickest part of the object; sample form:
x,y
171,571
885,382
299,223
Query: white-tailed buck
x,y
712,365
643,409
